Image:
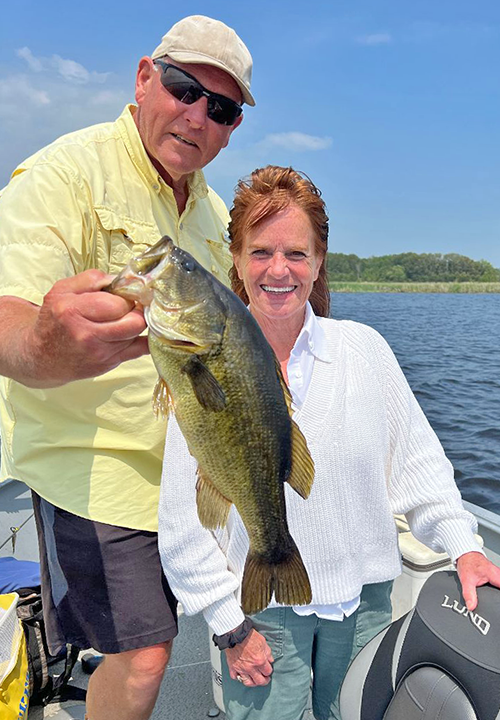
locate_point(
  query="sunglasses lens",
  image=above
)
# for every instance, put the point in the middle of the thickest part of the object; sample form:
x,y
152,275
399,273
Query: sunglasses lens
x,y
186,92
223,110
180,86
220,109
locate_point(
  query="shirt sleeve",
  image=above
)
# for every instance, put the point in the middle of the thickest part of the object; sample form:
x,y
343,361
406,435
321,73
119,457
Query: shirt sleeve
x,y
193,561
45,228
421,478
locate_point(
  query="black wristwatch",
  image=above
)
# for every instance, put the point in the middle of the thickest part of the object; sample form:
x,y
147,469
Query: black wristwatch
x,y
230,639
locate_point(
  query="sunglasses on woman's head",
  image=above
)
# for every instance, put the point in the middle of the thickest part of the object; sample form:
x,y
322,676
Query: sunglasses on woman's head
x,y
188,90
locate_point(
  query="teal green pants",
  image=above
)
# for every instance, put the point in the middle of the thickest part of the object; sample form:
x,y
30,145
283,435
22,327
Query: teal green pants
x,y
300,644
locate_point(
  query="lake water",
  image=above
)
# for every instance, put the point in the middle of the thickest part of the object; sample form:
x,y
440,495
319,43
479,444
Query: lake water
x,y
449,348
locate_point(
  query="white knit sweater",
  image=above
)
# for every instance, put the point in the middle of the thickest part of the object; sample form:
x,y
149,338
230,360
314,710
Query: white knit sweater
x,y
375,455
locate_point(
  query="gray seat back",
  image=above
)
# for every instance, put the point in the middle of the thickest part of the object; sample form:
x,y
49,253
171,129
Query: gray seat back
x,y
439,662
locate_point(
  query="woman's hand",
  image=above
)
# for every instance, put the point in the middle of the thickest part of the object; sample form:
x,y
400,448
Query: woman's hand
x,y
250,661
474,569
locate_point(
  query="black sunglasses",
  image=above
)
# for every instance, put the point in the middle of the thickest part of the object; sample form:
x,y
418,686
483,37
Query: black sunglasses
x,y
188,90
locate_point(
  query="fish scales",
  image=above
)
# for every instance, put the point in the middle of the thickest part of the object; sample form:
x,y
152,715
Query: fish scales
x,y
224,384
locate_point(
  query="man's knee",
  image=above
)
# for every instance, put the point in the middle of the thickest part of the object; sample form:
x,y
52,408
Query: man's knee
x,y
141,669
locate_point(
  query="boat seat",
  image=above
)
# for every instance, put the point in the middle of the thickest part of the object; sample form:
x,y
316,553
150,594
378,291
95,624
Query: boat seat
x,y
437,662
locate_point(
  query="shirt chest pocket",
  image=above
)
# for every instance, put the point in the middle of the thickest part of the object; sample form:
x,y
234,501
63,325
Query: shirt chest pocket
x,y
119,238
220,258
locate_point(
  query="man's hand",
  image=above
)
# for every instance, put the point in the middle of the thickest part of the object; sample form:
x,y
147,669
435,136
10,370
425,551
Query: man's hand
x,y
250,661
78,332
474,569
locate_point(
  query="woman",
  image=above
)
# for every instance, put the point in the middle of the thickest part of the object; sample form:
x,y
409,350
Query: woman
x,y
374,453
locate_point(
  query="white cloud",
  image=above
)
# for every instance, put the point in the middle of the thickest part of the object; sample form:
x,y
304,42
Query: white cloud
x,y
49,97
375,39
74,72
32,61
296,141
70,70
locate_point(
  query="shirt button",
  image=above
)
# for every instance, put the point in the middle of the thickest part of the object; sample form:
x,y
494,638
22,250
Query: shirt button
x,y
156,187
181,226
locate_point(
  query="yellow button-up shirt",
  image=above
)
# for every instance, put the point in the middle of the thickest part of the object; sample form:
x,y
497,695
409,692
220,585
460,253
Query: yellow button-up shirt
x,y
93,199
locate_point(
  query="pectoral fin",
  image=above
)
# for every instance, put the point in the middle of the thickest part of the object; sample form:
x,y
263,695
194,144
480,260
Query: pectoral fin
x,y
302,473
208,392
162,400
213,507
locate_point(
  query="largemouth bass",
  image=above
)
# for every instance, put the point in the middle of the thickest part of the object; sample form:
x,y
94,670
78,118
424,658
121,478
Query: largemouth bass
x,y
222,379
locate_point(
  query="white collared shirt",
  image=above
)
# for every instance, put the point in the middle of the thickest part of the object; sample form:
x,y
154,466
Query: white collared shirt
x,y
310,344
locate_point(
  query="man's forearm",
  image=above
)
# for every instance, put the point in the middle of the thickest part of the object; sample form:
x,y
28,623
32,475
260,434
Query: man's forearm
x,y
17,355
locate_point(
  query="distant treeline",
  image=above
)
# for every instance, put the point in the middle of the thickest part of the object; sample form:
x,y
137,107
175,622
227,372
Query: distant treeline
x,y
410,267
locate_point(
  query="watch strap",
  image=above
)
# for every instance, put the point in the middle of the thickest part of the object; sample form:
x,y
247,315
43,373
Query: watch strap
x,y
230,639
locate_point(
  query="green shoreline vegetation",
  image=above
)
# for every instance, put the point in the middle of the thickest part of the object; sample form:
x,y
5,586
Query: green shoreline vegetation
x,y
411,272
388,287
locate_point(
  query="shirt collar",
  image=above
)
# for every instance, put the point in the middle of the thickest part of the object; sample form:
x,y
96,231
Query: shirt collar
x,y
312,337
130,134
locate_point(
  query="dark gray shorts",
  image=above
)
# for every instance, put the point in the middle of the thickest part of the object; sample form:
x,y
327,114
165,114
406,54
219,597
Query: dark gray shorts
x,y
102,585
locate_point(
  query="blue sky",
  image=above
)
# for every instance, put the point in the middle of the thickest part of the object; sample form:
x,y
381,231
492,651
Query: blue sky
x,y
392,107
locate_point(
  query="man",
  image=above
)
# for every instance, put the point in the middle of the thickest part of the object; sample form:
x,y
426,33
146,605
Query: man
x,y
76,418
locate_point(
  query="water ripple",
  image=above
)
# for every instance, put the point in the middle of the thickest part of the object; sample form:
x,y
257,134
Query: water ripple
x,y
448,348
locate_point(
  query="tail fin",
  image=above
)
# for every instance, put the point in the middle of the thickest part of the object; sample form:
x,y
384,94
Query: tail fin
x,y
288,580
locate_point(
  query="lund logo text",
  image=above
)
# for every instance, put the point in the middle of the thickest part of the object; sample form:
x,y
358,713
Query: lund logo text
x,y
479,622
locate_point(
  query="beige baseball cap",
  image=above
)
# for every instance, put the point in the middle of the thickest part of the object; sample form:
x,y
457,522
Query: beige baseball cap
x,y
202,40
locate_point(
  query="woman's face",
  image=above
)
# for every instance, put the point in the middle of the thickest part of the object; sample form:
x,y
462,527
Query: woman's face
x,y
278,265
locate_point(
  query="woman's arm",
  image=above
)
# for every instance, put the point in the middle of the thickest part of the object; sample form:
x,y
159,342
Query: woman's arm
x,y
422,485
194,563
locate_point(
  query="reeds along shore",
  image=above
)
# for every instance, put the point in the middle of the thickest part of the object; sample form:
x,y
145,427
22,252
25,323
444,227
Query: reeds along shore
x,y
436,287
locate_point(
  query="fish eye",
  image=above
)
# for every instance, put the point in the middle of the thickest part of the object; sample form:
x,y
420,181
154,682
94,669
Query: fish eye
x,y
188,265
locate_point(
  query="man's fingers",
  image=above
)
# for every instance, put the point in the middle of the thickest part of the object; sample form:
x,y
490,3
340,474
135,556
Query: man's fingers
x,y
87,281
123,328
137,348
102,307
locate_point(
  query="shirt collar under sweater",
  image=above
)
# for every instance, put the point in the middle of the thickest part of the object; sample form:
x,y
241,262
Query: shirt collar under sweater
x,y
311,343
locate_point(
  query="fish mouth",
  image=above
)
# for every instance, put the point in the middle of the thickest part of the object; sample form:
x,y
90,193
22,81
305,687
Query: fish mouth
x,y
278,290
189,346
132,287
134,282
